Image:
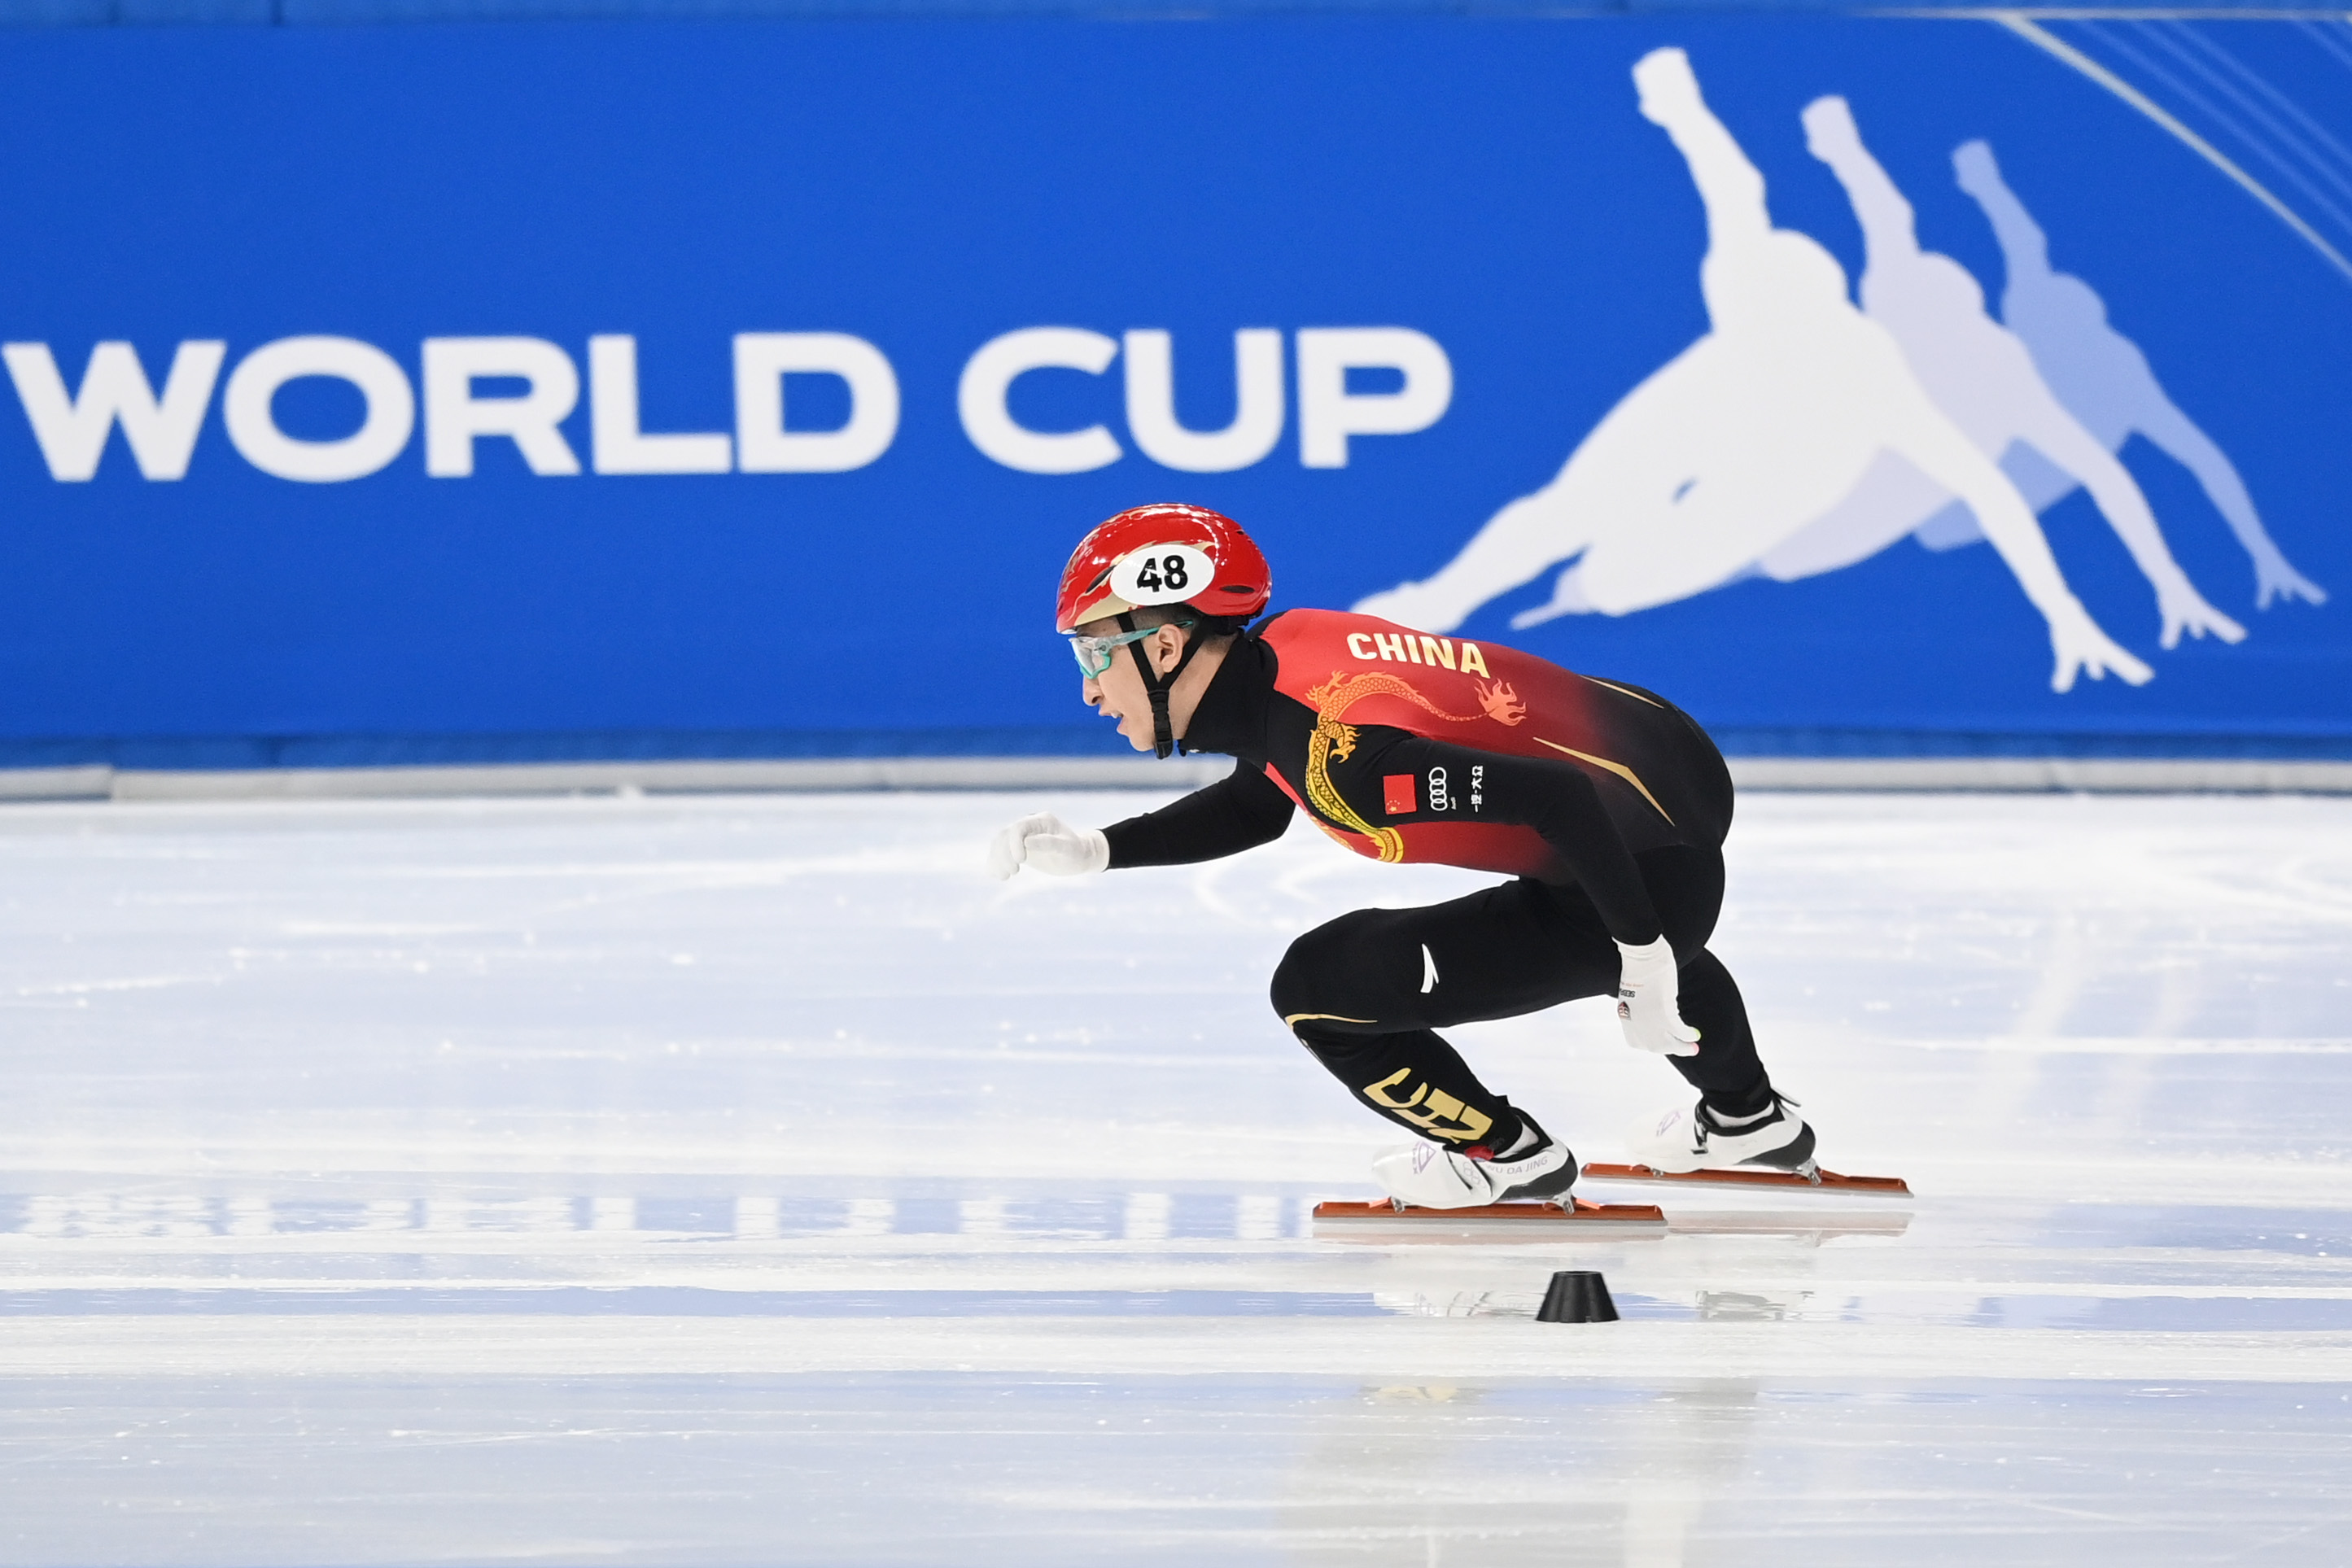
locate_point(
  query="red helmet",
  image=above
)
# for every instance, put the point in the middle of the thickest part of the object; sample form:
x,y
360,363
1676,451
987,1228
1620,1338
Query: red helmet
x,y
1165,553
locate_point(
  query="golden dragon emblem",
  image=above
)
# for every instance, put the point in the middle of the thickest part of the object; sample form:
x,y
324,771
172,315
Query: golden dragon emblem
x,y
1334,740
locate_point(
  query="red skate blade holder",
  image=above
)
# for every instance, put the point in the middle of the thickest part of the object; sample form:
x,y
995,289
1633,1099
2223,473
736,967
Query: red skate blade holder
x,y
1778,1181
1489,1222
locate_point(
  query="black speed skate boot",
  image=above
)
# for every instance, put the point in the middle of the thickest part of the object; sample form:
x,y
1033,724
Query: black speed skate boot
x,y
1699,1138
1431,1175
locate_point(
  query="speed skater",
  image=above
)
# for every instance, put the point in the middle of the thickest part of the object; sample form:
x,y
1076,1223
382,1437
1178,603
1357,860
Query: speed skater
x,y
1604,804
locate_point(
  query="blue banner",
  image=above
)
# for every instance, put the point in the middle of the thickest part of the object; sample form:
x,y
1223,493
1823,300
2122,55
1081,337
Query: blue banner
x,y
737,388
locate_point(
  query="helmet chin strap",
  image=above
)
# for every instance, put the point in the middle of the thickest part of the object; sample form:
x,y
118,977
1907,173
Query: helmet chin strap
x,y
1164,743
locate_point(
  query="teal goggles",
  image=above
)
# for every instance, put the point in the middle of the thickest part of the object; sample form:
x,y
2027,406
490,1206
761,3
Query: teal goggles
x,y
1094,653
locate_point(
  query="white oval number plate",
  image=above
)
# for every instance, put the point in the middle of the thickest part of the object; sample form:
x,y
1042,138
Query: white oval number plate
x,y
1162,574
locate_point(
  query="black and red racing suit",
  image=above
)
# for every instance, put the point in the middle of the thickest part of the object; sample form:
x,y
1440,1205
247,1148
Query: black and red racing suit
x,y
1606,804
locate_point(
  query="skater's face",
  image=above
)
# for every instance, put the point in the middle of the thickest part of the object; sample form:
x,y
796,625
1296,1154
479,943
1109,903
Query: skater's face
x,y
1118,692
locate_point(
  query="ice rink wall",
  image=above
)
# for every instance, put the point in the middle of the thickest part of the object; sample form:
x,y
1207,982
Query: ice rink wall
x,y
396,384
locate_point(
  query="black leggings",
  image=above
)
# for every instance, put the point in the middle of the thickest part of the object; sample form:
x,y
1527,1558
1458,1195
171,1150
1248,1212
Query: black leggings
x,y
1367,992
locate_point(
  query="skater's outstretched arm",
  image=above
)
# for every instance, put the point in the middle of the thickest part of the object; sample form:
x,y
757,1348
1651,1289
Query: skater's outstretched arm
x,y
2057,435
1931,444
1889,229
1240,812
2024,249
2162,422
1730,187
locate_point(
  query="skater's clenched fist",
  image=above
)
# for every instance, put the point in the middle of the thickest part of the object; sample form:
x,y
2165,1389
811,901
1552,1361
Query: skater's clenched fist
x,y
1050,844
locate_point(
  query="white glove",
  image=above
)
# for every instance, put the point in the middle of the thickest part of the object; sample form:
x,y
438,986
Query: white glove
x,y
1647,1003
1050,844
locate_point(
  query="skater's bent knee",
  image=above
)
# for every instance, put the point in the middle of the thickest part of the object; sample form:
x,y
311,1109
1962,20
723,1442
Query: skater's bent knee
x,y
1321,977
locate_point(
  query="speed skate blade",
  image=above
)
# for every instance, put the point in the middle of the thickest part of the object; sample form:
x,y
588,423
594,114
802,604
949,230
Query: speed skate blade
x,y
1488,1222
1821,1180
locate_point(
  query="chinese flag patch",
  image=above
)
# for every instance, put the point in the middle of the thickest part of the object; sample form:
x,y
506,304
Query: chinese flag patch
x,y
1402,796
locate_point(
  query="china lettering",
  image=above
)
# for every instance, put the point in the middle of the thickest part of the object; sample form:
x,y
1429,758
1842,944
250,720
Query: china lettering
x,y
161,428
1412,648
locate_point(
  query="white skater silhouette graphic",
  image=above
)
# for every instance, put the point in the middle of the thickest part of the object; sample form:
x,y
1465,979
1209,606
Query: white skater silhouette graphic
x,y
2104,379
1746,437
1979,375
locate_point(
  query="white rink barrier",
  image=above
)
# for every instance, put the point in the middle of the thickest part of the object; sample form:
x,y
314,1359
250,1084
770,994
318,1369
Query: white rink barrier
x,y
2026,775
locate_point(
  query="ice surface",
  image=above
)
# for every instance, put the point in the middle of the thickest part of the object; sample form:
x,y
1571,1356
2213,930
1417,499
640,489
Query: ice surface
x,y
745,1180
